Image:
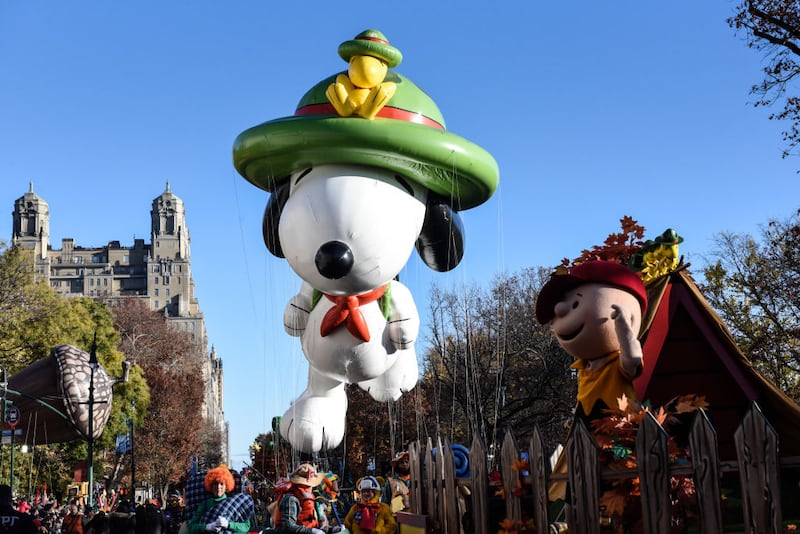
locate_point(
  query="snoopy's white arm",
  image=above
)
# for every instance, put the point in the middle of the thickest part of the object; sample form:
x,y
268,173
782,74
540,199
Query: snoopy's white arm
x,y
403,317
630,350
295,316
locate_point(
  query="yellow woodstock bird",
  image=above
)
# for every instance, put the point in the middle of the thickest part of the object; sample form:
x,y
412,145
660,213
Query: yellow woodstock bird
x,y
661,256
362,91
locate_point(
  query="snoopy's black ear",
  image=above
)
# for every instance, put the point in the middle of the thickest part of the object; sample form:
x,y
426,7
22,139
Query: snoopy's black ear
x,y
272,217
441,242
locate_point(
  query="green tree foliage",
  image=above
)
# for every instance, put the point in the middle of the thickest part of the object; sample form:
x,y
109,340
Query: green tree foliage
x,y
172,364
754,284
33,320
270,458
491,366
772,27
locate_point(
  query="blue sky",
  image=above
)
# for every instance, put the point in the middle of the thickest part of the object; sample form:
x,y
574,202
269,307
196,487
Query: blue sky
x,y
593,110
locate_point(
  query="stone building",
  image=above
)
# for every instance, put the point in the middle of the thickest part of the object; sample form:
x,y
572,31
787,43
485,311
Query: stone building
x,y
158,272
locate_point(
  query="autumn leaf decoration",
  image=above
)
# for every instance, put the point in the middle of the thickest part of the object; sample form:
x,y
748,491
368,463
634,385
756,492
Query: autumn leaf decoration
x,y
615,435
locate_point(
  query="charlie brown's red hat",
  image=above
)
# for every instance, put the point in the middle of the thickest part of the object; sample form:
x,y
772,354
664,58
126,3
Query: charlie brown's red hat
x,y
595,271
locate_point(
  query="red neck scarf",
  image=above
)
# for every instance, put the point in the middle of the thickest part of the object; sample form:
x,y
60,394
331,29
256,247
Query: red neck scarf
x,y
345,310
369,514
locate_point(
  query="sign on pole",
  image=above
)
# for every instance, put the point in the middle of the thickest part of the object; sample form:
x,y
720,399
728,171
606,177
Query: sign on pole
x,y
12,416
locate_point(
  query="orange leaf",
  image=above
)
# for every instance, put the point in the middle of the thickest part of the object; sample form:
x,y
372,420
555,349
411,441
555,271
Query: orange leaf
x,y
690,403
520,465
661,416
614,502
623,403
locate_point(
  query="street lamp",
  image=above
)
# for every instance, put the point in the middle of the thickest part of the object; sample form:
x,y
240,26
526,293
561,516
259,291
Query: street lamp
x,y
93,365
4,385
24,449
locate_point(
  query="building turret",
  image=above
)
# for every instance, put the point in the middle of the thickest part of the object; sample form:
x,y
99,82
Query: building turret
x,y
31,228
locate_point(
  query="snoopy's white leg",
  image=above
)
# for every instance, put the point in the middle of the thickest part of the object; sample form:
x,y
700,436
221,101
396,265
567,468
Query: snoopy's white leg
x,y
400,377
315,421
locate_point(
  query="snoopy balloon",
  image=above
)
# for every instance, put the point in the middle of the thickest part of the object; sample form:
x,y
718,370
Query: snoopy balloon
x,y
363,173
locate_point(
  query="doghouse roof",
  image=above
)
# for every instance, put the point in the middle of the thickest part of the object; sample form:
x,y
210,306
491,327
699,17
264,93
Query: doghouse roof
x,y
689,350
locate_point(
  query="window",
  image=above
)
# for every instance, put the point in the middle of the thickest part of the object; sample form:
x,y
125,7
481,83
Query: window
x,y
166,280
155,292
166,292
105,282
156,304
126,259
91,281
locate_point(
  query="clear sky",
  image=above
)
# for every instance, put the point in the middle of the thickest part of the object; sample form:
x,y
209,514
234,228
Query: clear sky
x,y
593,110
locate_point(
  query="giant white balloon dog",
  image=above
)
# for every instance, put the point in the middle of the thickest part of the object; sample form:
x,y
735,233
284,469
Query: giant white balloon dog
x,y
352,196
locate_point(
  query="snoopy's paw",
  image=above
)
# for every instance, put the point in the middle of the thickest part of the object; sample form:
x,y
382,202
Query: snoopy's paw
x,y
401,335
295,316
381,389
315,423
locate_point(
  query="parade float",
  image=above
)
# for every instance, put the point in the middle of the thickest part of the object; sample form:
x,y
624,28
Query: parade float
x,y
363,173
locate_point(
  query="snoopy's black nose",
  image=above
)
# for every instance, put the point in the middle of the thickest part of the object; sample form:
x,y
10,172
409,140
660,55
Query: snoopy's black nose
x,y
334,260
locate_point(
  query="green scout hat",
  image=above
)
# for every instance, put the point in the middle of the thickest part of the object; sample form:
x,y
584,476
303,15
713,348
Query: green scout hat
x,y
371,43
407,137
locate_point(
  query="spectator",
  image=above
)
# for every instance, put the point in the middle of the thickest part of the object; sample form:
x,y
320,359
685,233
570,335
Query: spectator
x,y
73,521
98,524
123,519
149,519
13,521
23,506
396,492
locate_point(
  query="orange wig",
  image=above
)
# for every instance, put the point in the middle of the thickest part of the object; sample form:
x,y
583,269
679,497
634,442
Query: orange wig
x,y
219,474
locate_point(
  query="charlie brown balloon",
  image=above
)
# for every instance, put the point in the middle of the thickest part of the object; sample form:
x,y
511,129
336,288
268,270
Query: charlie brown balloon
x,y
595,311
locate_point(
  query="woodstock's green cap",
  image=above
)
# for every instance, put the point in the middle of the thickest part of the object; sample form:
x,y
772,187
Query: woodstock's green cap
x,y
371,43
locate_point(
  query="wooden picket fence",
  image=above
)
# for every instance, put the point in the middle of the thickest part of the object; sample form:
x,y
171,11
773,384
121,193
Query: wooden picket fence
x,y
452,505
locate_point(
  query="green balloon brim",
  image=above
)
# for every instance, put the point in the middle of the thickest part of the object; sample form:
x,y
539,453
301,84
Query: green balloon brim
x,y
445,163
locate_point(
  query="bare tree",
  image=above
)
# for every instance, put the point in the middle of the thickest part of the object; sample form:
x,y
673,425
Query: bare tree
x,y
491,366
172,365
773,28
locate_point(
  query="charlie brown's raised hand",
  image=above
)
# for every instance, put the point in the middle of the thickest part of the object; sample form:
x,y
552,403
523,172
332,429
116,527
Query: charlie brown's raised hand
x,y
630,350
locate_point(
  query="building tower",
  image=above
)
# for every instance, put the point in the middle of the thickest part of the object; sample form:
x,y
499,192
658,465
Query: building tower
x,y
32,224
159,273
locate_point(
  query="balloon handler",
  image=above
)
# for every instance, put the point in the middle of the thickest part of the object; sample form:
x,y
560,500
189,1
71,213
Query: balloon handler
x,y
220,512
595,310
369,514
363,173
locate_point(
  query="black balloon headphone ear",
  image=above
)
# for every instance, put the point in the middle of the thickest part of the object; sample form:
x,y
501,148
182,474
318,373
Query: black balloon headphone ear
x,y
441,241
272,217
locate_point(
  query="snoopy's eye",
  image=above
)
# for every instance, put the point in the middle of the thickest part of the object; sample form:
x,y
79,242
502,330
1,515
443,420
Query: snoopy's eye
x,y
574,304
404,184
301,176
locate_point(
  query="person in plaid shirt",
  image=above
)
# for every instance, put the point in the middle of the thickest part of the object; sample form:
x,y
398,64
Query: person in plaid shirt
x,y
217,482
297,511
